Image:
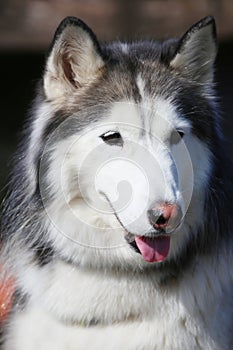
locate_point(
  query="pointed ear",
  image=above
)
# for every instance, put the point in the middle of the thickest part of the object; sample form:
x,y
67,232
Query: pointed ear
x,y
196,52
74,60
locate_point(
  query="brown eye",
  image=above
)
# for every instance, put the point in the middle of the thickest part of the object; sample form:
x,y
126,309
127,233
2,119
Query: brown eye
x,y
112,138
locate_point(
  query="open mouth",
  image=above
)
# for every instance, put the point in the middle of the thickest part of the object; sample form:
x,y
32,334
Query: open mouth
x,y
153,249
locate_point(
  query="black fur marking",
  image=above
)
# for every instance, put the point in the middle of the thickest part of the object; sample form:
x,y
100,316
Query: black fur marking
x,y
43,252
199,111
19,300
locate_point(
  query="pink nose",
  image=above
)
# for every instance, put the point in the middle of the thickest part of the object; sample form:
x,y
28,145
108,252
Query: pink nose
x,y
159,216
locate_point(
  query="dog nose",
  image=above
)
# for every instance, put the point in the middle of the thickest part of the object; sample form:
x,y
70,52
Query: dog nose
x,y
162,215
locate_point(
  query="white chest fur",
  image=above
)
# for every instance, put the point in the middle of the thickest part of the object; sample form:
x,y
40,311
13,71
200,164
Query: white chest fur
x,y
124,311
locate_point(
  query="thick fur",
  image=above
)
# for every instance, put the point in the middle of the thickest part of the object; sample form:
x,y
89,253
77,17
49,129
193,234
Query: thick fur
x,y
68,226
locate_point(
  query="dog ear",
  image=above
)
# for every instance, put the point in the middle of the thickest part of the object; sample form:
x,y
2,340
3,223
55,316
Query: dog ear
x,y
74,60
196,52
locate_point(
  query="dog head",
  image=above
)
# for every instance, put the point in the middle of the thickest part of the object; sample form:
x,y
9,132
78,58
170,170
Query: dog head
x,y
126,155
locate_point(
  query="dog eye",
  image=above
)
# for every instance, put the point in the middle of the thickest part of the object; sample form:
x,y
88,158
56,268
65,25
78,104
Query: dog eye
x,y
181,133
176,136
112,138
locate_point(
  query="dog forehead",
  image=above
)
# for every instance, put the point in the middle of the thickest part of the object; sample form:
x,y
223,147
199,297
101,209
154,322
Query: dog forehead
x,y
126,112
150,116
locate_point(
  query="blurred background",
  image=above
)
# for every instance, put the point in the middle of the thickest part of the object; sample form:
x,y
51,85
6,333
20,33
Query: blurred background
x,y
27,27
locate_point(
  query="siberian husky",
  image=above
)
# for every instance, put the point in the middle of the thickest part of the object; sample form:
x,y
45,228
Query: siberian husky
x,y
118,223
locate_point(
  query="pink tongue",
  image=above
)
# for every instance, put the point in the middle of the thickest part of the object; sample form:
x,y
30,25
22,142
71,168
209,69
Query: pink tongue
x,y
153,249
